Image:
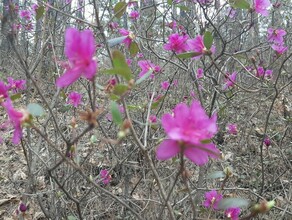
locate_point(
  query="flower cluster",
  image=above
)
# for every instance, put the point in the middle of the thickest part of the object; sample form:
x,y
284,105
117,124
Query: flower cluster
x,y
181,43
212,199
188,130
276,38
262,73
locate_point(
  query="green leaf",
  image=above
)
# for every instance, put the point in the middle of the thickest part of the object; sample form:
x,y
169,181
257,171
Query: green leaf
x,y
120,9
206,141
156,104
133,107
120,89
15,96
115,41
35,109
232,202
208,40
134,48
216,175
242,4
120,65
71,217
39,12
144,77
169,2
116,114
188,55
114,97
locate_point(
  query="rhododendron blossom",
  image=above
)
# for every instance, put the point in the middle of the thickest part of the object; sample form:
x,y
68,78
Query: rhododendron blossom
x,y
15,118
74,98
197,45
232,129
146,65
15,85
187,130
200,73
3,91
165,85
260,6
276,35
230,80
134,15
212,199
129,38
177,43
232,213
279,48
152,118
80,49
25,14
104,175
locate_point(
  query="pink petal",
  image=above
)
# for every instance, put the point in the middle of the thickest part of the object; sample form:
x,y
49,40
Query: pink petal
x,y
167,149
87,43
196,155
69,77
90,70
168,122
72,36
181,114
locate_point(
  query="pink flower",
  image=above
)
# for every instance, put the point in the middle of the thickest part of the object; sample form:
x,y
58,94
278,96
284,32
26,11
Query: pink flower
x,y
260,71
260,6
212,199
232,213
34,7
276,35
25,14
3,91
152,119
130,36
230,81
146,65
177,43
129,62
231,12
200,73
15,85
104,175
134,15
165,85
80,49
140,55
197,45
175,82
74,98
267,141
187,129
268,73
113,25
22,207
15,118
279,48
232,129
